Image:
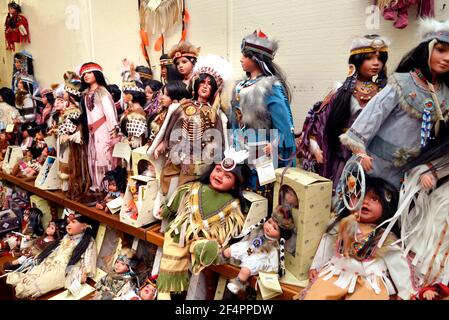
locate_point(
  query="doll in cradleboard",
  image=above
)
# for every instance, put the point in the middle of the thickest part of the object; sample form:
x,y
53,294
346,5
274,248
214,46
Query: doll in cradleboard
x,y
120,281
348,263
116,181
203,216
64,264
263,249
146,291
39,244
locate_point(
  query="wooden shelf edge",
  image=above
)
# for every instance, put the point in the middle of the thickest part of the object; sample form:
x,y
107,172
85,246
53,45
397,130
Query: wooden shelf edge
x,y
59,198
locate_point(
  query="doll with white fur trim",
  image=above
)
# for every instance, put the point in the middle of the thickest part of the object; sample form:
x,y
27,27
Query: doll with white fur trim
x,y
263,248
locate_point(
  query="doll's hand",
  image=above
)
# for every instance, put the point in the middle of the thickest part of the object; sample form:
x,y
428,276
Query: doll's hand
x,y
428,181
430,295
28,238
84,278
159,150
158,214
366,162
318,153
268,149
313,274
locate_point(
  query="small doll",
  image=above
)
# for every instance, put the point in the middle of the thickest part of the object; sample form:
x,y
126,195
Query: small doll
x,y
131,206
118,282
16,27
263,249
116,184
185,55
350,265
66,263
203,216
28,135
169,72
147,291
24,98
39,244
31,228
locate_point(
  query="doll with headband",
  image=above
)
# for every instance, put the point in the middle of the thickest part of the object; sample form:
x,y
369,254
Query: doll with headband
x,y
203,216
260,104
349,264
99,119
184,56
262,249
410,112
38,245
66,263
320,147
120,281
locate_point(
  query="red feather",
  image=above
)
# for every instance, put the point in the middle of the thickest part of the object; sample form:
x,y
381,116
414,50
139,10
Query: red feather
x,y
158,44
186,16
262,35
144,37
184,35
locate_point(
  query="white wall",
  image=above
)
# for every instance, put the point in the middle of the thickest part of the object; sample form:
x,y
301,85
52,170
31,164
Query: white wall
x,y
314,36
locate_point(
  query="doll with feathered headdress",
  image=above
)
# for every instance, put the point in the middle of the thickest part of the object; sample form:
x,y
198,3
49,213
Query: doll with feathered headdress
x,y
120,281
262,249
184,56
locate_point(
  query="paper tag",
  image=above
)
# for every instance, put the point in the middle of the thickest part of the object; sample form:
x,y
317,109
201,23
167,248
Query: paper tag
x,y
265,172
122,150
10,128
270,281
153,4
115,205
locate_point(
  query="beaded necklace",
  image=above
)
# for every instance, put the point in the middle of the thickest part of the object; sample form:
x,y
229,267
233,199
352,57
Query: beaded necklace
x,y
245,84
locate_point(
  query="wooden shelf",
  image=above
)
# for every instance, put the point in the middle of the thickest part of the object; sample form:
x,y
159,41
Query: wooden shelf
x,y
228,271
58,197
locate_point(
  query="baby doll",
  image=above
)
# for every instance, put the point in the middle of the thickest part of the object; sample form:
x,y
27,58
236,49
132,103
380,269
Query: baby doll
x,y
348,263
147,291
39,244
118,282
203,216
65,263
116,180
263,249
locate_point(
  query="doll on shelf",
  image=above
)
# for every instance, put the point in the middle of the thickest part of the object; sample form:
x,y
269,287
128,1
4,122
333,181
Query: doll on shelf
x,y
147,291
263,249
120,281
66,263
39,244
131,207
203,216
116,183
349,263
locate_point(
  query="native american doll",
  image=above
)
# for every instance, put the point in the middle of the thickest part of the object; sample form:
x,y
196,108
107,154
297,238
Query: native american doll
x,y
184,56
16,27
194,132
409,112
116,185
397,10
63,264
203,216
147,291
320,148
8,113
423,216
169,72
24,99
349,265
262,249
38,245
23,66
261,103
120,281
100,125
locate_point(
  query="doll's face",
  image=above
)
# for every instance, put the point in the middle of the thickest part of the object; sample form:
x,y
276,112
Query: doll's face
x,y
204,89
39,135
51,229
271,229
148,93
439,59
66,96
44,99
112,186
290,199
25,134
120,267
60,104
248,64
221,180
371,66
184,66
164,99
89,78
148,292
127,98
164,72
75,227
17,64
12,11
20,85
371,209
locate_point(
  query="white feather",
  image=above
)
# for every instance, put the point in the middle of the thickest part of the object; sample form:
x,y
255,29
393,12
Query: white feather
x,y
429,25
216,66
237,156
